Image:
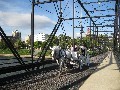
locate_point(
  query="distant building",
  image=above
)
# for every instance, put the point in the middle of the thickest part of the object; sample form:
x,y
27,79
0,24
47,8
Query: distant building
x,y
40,37
27,39
16,34
88,32
14,37
79,35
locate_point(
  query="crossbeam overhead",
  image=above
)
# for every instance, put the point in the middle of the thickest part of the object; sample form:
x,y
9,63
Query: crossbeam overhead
x,y
81,4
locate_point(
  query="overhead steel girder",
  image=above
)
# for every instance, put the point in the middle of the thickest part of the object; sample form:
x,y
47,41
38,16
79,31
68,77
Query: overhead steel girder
x,y
78,27
103,31
94,2
36,3
109,20
96,26
105,16
79,18
103,26
86,11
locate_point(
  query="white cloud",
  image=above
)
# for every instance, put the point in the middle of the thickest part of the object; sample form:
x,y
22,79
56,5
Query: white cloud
x,y
24,20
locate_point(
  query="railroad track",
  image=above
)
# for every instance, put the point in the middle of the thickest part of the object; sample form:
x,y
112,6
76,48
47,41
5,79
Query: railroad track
x,y
52,79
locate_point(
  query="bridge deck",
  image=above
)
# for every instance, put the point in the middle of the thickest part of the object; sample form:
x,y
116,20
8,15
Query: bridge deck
x,y
107,76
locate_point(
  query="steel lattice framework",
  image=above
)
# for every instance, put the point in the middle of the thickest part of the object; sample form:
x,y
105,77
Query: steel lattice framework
x,y
93,25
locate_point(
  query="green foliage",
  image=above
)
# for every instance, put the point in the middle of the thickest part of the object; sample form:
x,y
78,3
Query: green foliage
x,y
93,53
48,53
64,40
37,44
24,52
43,44
5,51
21,51
18,44
3,45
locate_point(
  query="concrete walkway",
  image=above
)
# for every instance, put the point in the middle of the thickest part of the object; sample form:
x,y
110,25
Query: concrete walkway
x,y
107,76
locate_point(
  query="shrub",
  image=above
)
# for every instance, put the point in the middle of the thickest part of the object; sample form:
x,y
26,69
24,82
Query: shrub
x,y
48,53
5,51
24,52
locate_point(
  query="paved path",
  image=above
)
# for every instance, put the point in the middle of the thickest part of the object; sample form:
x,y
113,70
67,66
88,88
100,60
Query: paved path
x,y
107,76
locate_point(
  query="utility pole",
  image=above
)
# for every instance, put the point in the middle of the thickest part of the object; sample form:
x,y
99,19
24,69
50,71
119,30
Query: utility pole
x,y
119,23
32,29
73,27
81,31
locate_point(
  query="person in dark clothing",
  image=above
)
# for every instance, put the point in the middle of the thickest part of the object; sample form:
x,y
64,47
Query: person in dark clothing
x,y
83,49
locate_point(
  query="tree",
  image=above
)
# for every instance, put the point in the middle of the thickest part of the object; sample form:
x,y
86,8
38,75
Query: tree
x,y
37,44
55,41
43,44
18,44
3,45
23,45
64,40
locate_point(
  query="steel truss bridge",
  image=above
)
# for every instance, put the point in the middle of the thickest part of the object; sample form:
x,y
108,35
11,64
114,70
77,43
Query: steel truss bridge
x,y
93,25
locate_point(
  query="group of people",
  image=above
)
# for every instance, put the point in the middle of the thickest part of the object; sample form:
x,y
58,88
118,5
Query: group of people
x,y
82,49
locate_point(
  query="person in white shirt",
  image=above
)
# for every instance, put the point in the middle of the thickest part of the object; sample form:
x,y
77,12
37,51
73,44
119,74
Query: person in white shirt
x,y
72,49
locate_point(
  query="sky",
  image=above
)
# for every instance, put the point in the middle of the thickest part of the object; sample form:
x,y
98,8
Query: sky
x,y
16,15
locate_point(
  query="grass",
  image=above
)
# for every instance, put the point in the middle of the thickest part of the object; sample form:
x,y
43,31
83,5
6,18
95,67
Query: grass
x,y
21,51
5,51
48,53
24,52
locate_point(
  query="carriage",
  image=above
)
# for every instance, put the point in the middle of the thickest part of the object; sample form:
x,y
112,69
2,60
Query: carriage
x,y
67,58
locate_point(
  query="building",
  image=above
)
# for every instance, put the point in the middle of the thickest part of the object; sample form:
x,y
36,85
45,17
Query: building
x,y
88,32
40,37
79,35
27,39
14,37
16,34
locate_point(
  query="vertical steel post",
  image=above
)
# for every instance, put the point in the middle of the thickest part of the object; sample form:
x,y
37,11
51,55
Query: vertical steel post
x,y
93,37
97,36
119,23
32,30
98,40
116,26
73,27
81,32
114,37
90,34
60,8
